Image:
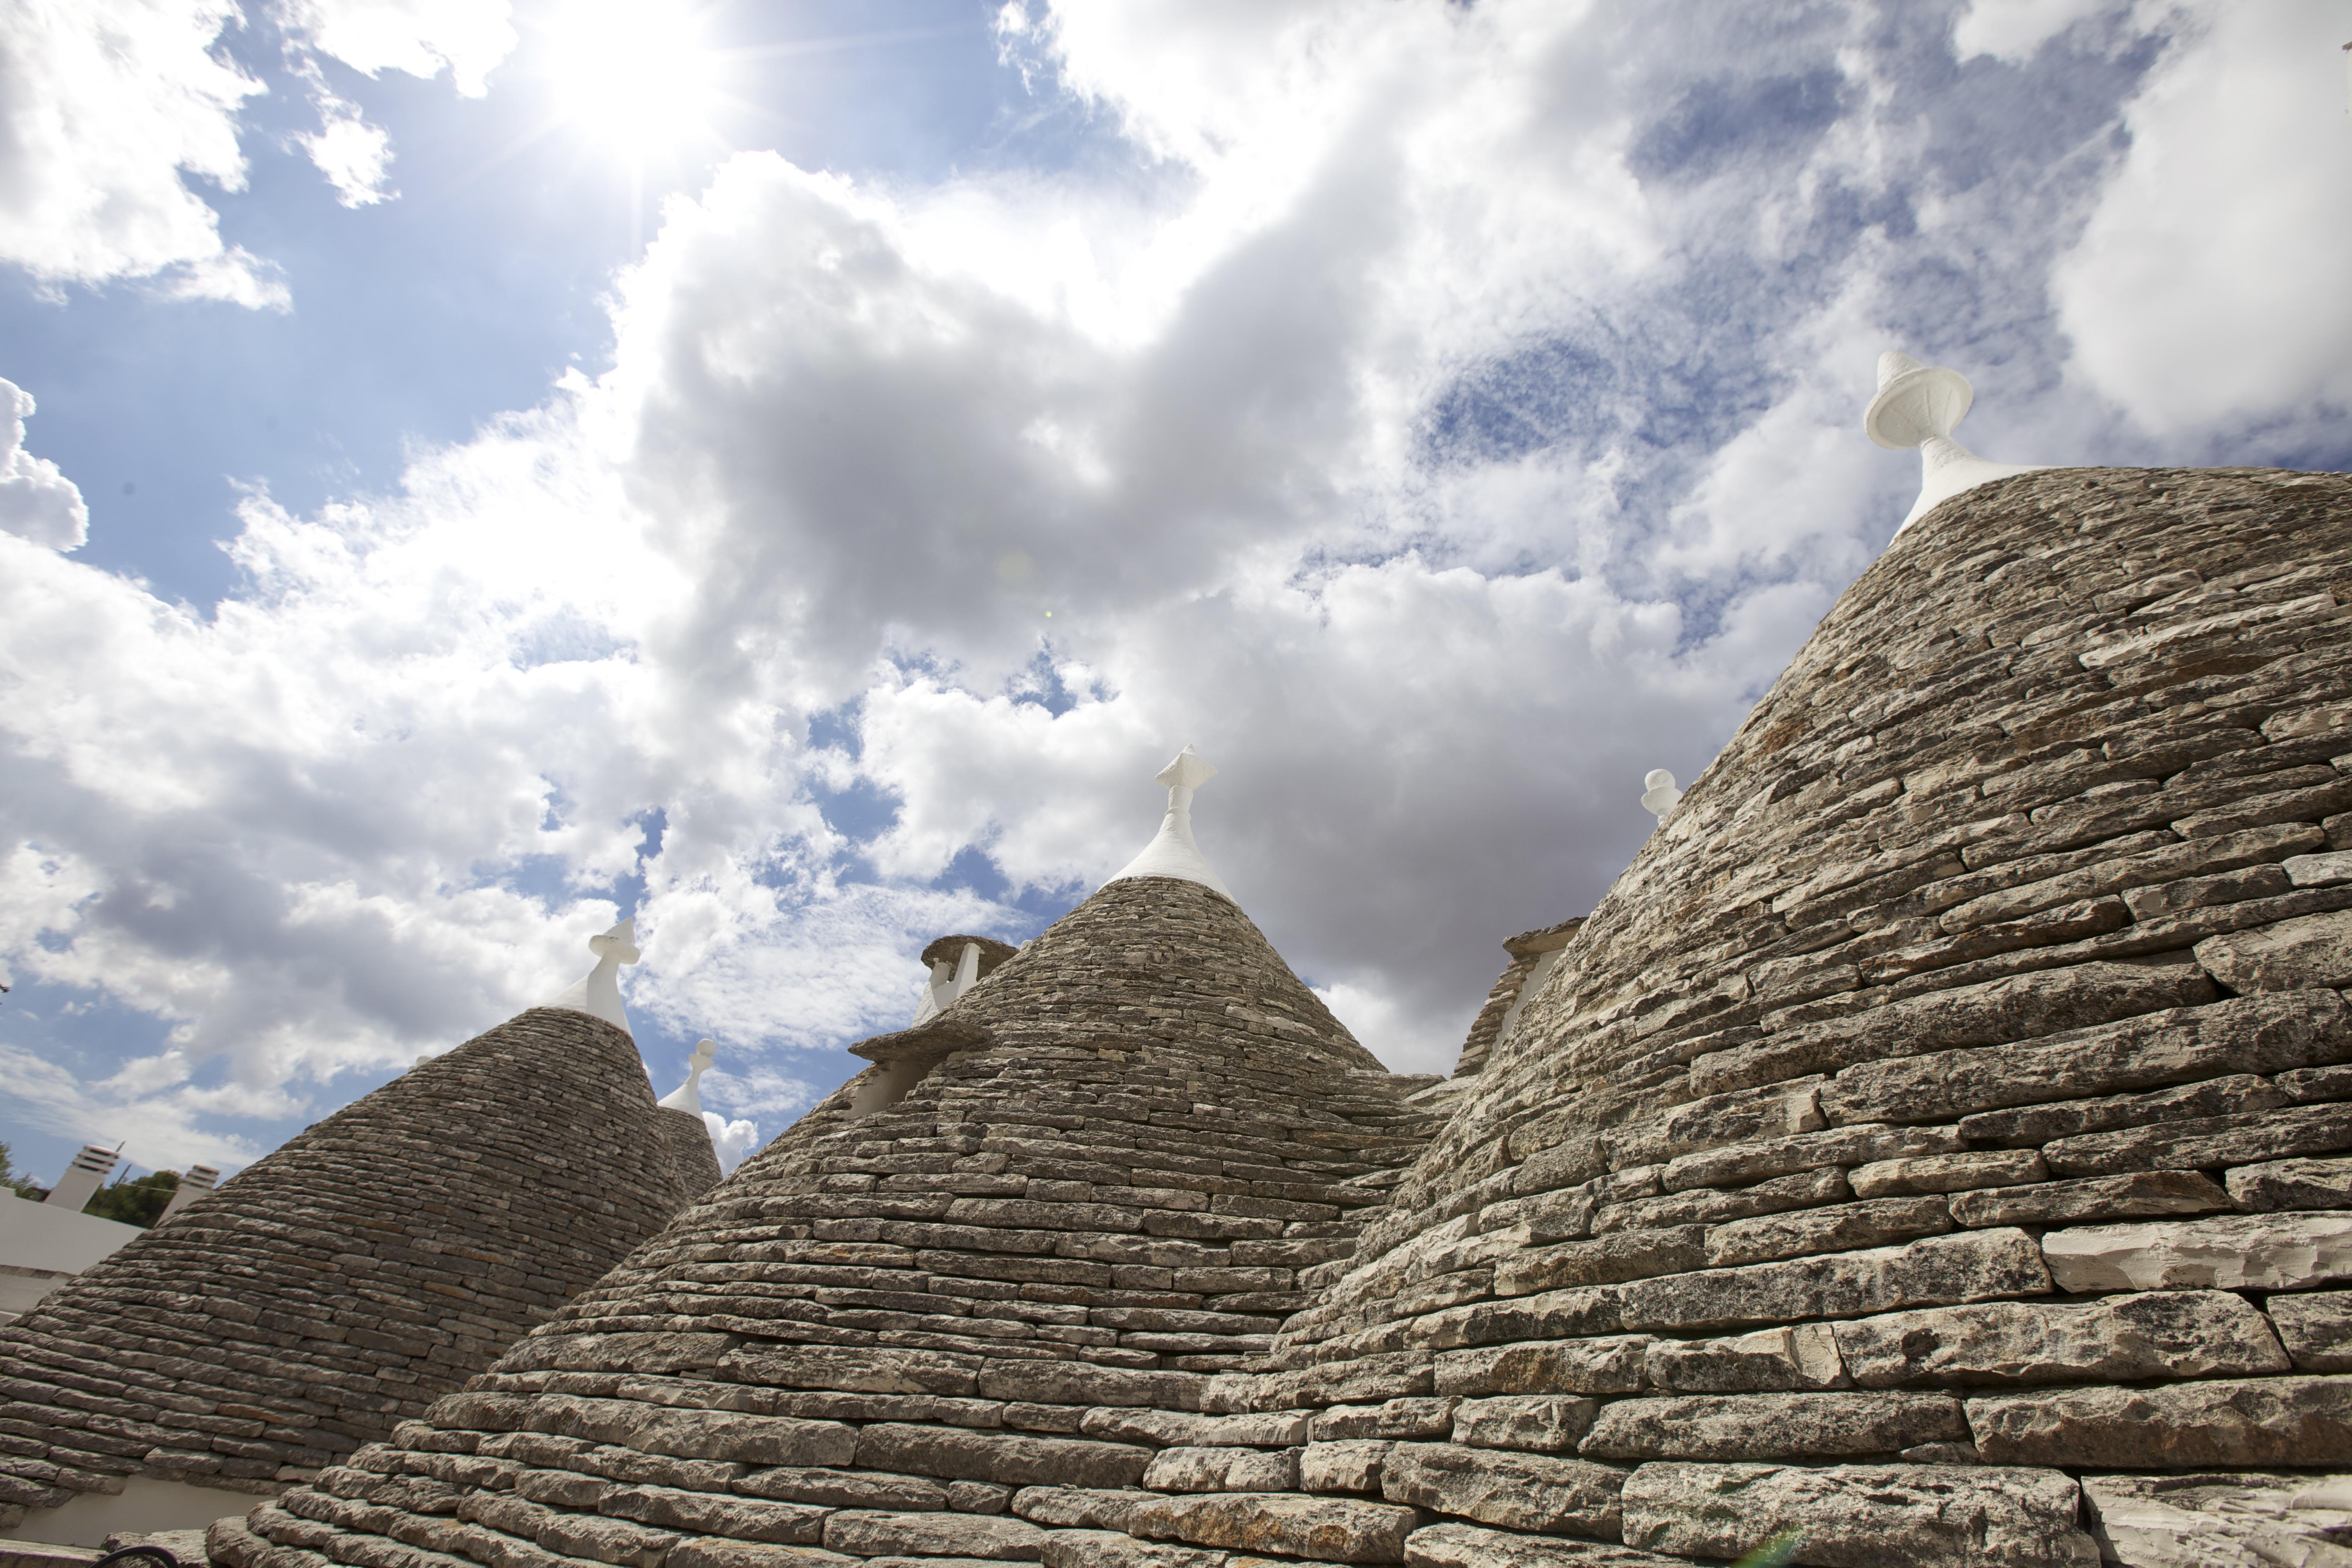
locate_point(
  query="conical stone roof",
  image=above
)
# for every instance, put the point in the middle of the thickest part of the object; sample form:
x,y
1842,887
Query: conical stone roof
x,y
339,1285
1134,1137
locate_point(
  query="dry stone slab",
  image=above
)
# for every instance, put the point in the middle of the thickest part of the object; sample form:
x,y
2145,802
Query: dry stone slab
x,y
1223,1470
2205,1143
839,1489
1350,1466
710,1553
2242,1035
1863,1516
2231,1252
1112,1549
1397,1418
2316,1330
1773,1426
1537,1422
2119,1339
1994,1012
2031,1126
2219,1424
861,1534
1841,1228
2308,950
1702,1206
1948,1172
2292,1184
1474,1546
2126,1197
1839,1146
1602,1260
2242,1520
1532,1492
1938,1271
1075,1508
1803,1357
1330,1528
1609,1364
700,1513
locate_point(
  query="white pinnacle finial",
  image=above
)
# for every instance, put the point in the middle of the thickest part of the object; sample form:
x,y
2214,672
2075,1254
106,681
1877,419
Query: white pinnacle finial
x,y
687,1095
1918,406
1659,794
1172,853
598,992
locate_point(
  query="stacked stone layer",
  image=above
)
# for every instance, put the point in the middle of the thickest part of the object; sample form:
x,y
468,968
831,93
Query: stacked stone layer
x,y
347,1280
1939,1141
886,1327
1529,952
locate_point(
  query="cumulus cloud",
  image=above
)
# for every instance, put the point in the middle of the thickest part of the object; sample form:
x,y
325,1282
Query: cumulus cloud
x,y
109,103
1441,415
2207,290
119,114
421,37
37,502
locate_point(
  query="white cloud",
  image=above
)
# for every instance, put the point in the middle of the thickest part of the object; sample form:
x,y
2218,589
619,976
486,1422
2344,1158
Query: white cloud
x,y
109,103
2208,287
1441,415
353,154
732,1140
37,501
467,38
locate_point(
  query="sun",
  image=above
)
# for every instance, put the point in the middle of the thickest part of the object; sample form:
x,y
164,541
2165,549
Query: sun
x,y
638,75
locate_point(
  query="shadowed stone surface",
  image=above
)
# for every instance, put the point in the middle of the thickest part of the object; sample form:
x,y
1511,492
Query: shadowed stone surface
x,y
341,1283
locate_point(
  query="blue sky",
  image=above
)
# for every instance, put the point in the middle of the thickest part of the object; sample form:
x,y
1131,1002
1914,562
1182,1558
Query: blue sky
x,y
793,472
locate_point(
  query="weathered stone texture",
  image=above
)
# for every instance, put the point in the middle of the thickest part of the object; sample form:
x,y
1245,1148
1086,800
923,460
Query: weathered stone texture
x,y
1862,1516
1926,1090
341,1283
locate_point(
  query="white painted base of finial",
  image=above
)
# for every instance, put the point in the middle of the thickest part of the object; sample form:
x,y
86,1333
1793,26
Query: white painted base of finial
x,y
598,992
1946,469
948,982
1171,852
1916,406
687,1095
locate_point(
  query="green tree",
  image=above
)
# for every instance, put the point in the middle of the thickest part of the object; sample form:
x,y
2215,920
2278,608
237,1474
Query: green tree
x,y
23,1187
139,1203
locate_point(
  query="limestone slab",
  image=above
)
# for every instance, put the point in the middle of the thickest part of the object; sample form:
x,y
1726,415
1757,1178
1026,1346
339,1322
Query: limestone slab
x,y
1610,1363
2206,1143
1602,1260
2316,1330
1535,1423
1352,1464
1531,1492
1329,1528
1948,1172
2126,1197
2031,1126
2311,950
1936,1271
2246,1520
1863,1516
2232,1252
2225,1424
1832,1426
861,1534
2118,1339
1841,1227
1473,1546
1800,1357
1223,1470
1112,1549
2242,1033
2292,1184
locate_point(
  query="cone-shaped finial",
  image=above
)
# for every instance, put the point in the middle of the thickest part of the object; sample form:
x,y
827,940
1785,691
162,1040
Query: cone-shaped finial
x,y
1916,406
598,992
1659,794
687,1095
1172,852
